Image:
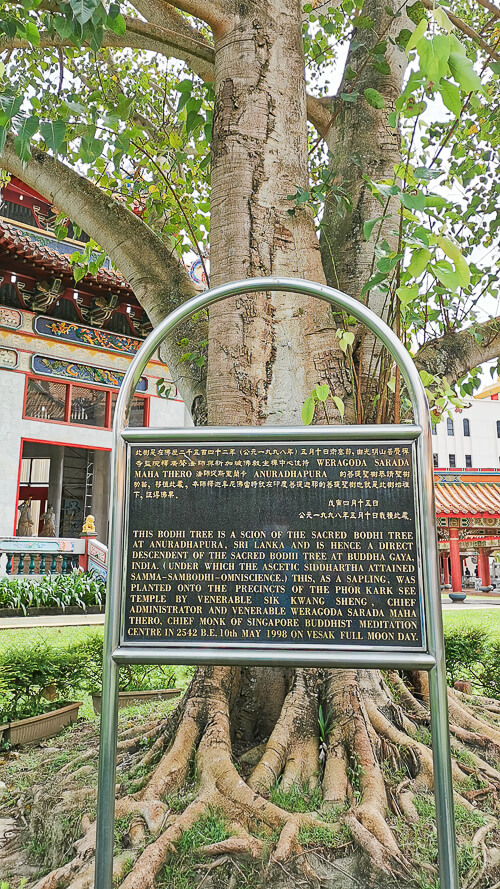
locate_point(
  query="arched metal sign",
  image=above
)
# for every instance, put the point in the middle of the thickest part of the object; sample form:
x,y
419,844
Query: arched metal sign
x,y
274,545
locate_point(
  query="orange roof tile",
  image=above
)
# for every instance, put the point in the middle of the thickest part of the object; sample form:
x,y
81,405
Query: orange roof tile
x,y
472,498
15,242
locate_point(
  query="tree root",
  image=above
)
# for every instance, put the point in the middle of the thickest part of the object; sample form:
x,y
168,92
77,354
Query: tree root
x,y
293,745
368,730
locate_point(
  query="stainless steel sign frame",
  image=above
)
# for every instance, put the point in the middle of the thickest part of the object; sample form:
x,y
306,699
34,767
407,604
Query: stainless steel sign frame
x,y
117,650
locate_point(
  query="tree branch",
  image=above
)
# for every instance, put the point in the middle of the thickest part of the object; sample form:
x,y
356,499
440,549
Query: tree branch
x,y
466,29
490,7
455,354
197,52
214,12
158,278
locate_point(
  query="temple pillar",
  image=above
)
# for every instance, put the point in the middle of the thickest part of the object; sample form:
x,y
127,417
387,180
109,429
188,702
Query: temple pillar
x,y
456,568
54,496
483,567
446,567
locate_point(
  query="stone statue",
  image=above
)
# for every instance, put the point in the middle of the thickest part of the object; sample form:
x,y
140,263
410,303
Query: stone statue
x,y
25,526
88,525
49,523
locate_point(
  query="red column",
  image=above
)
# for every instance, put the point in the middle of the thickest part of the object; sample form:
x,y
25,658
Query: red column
x,y
446,567
483,567
456,568
487,568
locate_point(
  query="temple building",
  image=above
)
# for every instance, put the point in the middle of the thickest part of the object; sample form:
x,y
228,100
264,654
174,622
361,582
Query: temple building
x,y
64,349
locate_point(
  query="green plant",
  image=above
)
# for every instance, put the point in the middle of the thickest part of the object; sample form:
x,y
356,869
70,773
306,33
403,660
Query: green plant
x,y
325,720
136,677
37,678
54,591
298,798
465,649
354,772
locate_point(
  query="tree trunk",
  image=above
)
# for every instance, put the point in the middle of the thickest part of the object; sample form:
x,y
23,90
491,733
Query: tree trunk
x,y
259,159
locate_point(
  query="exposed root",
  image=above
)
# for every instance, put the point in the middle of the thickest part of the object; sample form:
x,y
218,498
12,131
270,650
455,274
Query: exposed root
x,y
154,856
243,844
379,856
368,729
293,745
287,844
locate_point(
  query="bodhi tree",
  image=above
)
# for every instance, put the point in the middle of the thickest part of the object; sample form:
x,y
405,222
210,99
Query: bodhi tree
x,y
150,126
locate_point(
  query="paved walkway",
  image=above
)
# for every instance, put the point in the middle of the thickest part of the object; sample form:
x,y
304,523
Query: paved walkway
x,y
52,620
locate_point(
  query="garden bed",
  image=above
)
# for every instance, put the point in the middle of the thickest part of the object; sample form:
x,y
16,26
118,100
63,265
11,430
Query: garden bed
x,y
50,612
126,698
36,728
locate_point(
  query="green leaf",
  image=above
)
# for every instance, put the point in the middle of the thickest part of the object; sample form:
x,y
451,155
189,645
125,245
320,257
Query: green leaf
x,y
31,32
79,272
340,406
417,34
407,294
418,261
446,274
374,98
322,392
453,251
435,200
392,119
413,201
22,141
382,66
369,226
77,107
456,46
308,411
463,71
349,97
450,95
83,10
63,26
117,24
442,19
424,173
348,337
434,55
53,132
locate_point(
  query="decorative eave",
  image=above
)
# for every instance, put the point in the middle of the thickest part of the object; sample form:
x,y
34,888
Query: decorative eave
x,y
467,494
22,245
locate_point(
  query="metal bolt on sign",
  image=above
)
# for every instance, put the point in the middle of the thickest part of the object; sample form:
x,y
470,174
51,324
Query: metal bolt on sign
x,y
125,643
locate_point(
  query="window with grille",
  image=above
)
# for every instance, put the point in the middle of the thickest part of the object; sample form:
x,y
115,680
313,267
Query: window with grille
x,y
78,405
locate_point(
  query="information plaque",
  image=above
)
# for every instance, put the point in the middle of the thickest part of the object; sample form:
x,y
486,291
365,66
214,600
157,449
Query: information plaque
x,y
302,543
274,546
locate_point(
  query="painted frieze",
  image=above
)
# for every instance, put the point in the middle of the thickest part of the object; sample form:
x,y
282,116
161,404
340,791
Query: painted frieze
x,y
8,358
85,336
80,373
10,318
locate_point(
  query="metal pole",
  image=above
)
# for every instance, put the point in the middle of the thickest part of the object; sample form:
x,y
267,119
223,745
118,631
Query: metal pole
x,y
110,678
437,676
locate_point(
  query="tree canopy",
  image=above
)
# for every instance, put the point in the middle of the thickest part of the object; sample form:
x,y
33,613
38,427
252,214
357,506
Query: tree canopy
x,y
402,161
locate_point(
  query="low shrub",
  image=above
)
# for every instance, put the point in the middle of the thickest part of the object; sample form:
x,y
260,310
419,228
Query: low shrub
x,y
37,678
133,677
471,654
54,591
40,677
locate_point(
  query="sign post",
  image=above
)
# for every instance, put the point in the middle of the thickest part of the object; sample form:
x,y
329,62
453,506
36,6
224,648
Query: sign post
x,y
311,546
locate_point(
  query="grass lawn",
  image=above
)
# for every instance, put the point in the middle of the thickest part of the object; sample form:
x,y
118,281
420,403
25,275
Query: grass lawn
x,y
485,618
